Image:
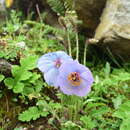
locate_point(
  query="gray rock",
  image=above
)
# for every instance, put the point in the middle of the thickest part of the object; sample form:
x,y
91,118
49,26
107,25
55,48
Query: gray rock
x,y
5,67
113,32
109,21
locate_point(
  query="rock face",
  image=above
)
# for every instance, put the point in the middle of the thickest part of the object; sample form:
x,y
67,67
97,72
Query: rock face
x,y
112,21
89,11
5,67
113,31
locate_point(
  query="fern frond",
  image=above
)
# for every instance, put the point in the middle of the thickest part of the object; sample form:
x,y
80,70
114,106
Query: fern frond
x,y
57,6
68,4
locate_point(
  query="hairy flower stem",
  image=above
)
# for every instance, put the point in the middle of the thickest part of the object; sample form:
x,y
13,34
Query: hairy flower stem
x,y
74,105
77,106
69,43
85,52
77,46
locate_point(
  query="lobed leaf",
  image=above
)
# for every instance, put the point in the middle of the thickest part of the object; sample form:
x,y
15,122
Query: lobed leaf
x,y
32,114
1,77
9,82
29,63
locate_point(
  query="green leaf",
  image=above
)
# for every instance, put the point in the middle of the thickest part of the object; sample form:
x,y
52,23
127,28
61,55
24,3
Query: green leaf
x,y
41,103
38,85
125,124
29,63
20,73
9,82
99,112
55,105
18,88
88,122
28,90
25,75
34,77
124,111
32,114
15,70
117,101
1,77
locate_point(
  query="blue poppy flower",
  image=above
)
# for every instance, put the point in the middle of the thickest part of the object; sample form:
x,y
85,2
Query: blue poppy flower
x,y
50,63
74,79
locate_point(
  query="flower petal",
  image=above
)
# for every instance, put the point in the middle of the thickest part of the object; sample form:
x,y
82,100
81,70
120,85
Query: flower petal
x,y
43,67
61,54
65,86
87,75
51,77
50,56
83,89
46,62
67,67
47,65
68,89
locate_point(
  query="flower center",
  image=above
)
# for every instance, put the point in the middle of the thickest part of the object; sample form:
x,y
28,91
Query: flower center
x,y
58,63
74,78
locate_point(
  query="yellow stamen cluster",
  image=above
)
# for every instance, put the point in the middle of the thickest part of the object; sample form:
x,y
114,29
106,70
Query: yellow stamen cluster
x,y
74,79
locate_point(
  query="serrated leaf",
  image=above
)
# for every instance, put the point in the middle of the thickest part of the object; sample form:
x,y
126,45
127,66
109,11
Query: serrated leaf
x,y
34,77
124,111
9,82
125,124
38,86
41,103
99,112
18,88
55,105
69,125
28,90
32,114
20,73
117,101
88,122
25,75
15,70
29,63
1,77
44,114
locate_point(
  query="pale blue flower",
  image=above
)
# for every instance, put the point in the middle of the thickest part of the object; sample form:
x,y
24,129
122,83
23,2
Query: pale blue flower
x,y
74,79
49,64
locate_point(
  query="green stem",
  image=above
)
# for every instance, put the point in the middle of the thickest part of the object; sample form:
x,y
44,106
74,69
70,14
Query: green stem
x,y
77,46
85,52
75,112
74,104
69,43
